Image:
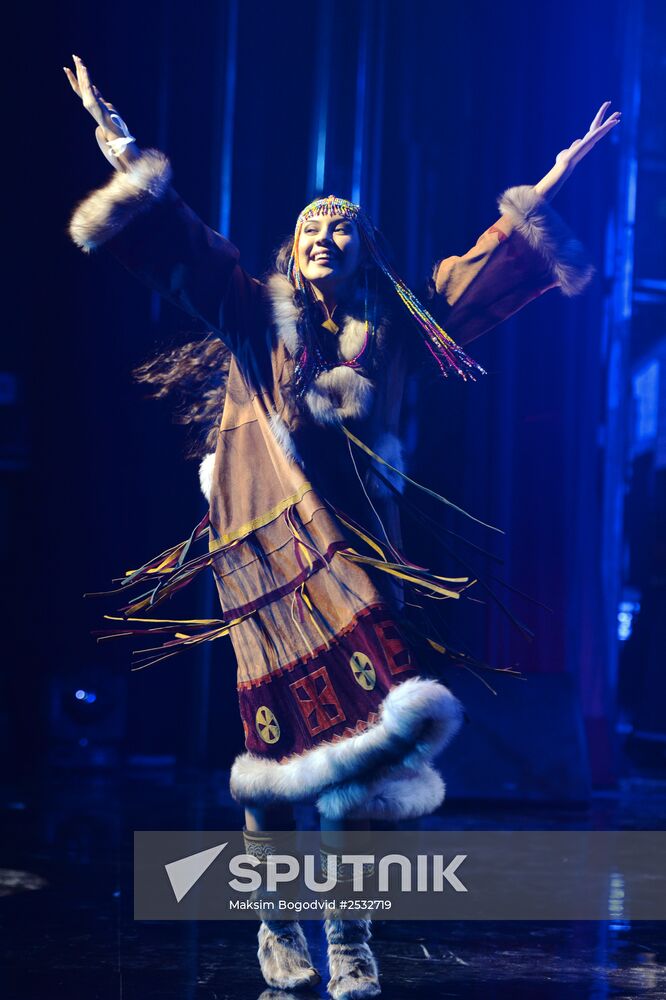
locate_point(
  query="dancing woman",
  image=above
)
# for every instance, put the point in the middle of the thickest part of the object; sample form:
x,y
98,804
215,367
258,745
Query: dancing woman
x,y
300,386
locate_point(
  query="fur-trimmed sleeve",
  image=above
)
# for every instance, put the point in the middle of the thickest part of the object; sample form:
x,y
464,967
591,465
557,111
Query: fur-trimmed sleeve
x,y
139,218
105,212
525,253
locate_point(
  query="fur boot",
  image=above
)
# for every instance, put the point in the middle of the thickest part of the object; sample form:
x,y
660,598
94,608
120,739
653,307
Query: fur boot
x,y
351,964
284,957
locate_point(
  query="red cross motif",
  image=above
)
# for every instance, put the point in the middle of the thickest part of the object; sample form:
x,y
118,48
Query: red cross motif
x,y
397,655
317,701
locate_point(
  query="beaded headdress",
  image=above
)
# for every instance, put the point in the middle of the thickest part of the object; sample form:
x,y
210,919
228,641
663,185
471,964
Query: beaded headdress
x,y
448,355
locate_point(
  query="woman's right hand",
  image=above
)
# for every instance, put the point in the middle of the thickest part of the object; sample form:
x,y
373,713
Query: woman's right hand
x,y
110,125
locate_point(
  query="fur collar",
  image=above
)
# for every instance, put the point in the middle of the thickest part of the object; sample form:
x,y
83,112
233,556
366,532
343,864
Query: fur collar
x,y
338,394
342,393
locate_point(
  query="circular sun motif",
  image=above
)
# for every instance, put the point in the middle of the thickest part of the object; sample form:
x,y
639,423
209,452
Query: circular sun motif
x,y
267,725
363,671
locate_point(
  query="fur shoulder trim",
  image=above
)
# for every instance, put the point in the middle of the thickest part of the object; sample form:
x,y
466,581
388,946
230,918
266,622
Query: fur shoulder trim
x,y
285,310
286,314
104,212
546,232
418,718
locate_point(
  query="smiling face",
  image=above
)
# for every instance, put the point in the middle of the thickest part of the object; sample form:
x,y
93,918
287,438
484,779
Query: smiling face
x,y
329,251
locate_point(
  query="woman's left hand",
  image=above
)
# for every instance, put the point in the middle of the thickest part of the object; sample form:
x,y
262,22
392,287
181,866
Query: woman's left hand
x,y
571,157
568,159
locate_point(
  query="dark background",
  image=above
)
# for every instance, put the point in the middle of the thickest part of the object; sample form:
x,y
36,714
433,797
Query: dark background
x,y
441,107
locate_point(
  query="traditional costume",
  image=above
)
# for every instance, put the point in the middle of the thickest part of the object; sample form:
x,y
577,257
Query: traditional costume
x,y
302,528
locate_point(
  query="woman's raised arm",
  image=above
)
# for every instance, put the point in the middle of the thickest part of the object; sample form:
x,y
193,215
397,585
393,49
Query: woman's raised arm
x,y
140,219
526,252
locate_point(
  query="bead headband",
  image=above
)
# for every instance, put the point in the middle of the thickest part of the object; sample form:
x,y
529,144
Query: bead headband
x,y
448,355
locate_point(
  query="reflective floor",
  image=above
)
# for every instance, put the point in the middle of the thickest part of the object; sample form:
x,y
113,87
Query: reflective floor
x,y
66,906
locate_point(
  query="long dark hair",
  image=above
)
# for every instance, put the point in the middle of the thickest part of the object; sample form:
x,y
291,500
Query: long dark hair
x,y
194,375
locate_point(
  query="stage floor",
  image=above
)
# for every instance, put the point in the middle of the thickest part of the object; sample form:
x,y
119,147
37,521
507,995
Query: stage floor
x,y
68,932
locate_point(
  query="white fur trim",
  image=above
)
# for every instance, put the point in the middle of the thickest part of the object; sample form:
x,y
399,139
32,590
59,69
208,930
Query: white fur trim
x,y
351,338
104,212
206,475
285,310
353,967
284,957
403,793
339,394
546,232
389,447
417,719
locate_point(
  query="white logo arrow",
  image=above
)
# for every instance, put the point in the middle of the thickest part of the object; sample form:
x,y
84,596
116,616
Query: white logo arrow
x,y
186,872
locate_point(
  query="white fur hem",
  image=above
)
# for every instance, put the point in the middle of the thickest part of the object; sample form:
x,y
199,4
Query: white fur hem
x,y
401,793
104,212
384,769
546,232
